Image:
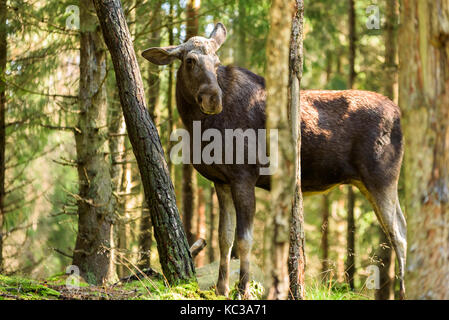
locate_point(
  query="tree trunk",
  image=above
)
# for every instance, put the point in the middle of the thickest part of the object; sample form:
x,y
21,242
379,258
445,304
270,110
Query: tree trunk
x,y
201,226
170,91
296,257
283,182
93,249
350,240
211,241
117,131
3,56
350,252
385,252
424,98
188,200
145,232
174,255
241,54
188,173
386,268
192,9
325,238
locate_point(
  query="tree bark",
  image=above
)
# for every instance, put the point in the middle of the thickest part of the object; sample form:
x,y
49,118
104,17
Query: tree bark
x,y
93,253
188,173
201,226
241,54
296,257
3,59
350,240
424,99
188,200
282,180
211,252
174,255
350,252
145,232
192,10
325,238
117,131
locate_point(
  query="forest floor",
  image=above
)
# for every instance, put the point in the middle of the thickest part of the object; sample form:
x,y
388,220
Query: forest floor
x,y
56,288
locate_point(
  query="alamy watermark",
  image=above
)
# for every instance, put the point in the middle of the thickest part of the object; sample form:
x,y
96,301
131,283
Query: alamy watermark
x,y
373,21
73,20
239,145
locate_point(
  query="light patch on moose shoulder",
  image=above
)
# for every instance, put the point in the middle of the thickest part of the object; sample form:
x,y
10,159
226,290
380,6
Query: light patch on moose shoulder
x,y
311,119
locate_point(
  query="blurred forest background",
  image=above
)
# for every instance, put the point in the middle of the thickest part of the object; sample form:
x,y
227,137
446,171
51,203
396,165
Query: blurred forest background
x,y
41,111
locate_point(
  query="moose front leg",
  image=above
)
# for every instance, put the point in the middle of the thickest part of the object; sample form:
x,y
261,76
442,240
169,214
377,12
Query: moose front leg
x,y
226,232
244,202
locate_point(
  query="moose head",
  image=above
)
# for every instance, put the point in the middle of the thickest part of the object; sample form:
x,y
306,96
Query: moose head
x,y
198,69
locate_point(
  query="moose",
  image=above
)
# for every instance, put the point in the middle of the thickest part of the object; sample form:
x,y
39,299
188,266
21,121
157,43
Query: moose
x,y
348,137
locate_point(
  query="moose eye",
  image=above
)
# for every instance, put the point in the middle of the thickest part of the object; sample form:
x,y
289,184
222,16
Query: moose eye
x,y
190,62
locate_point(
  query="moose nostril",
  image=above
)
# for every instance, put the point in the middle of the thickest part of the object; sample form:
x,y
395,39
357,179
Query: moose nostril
x,y
200,99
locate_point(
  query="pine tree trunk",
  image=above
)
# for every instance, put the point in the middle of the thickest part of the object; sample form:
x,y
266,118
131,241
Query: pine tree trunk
x,y
350,249
282,181
145,232
93,249
201,226
173,249
117,131
170,90
424,99
350,240
211,241
188,173
325,238
241,54
188,200
3,56
296,258
385,252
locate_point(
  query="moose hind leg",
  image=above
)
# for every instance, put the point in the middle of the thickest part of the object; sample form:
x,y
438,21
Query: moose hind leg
x,y
226,231
392,220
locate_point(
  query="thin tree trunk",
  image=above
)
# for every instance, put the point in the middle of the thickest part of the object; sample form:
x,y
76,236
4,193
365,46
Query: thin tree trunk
x,y
174,255
188,200
3,56
170,91
424,99
385,252
282,180
117,131
350,251
145,232
241,54
93,253
192,10
201,226
325,238
188,173
211,241
296,257
350,240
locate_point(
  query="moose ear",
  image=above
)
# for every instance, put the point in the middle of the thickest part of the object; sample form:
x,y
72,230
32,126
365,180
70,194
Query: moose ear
x,y
219,34
162,56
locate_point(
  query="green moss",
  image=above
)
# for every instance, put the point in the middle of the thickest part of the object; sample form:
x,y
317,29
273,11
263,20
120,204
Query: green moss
x,y
256,291
158,290
19,288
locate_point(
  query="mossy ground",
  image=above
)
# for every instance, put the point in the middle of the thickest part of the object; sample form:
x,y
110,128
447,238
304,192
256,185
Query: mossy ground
x,y
54,288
